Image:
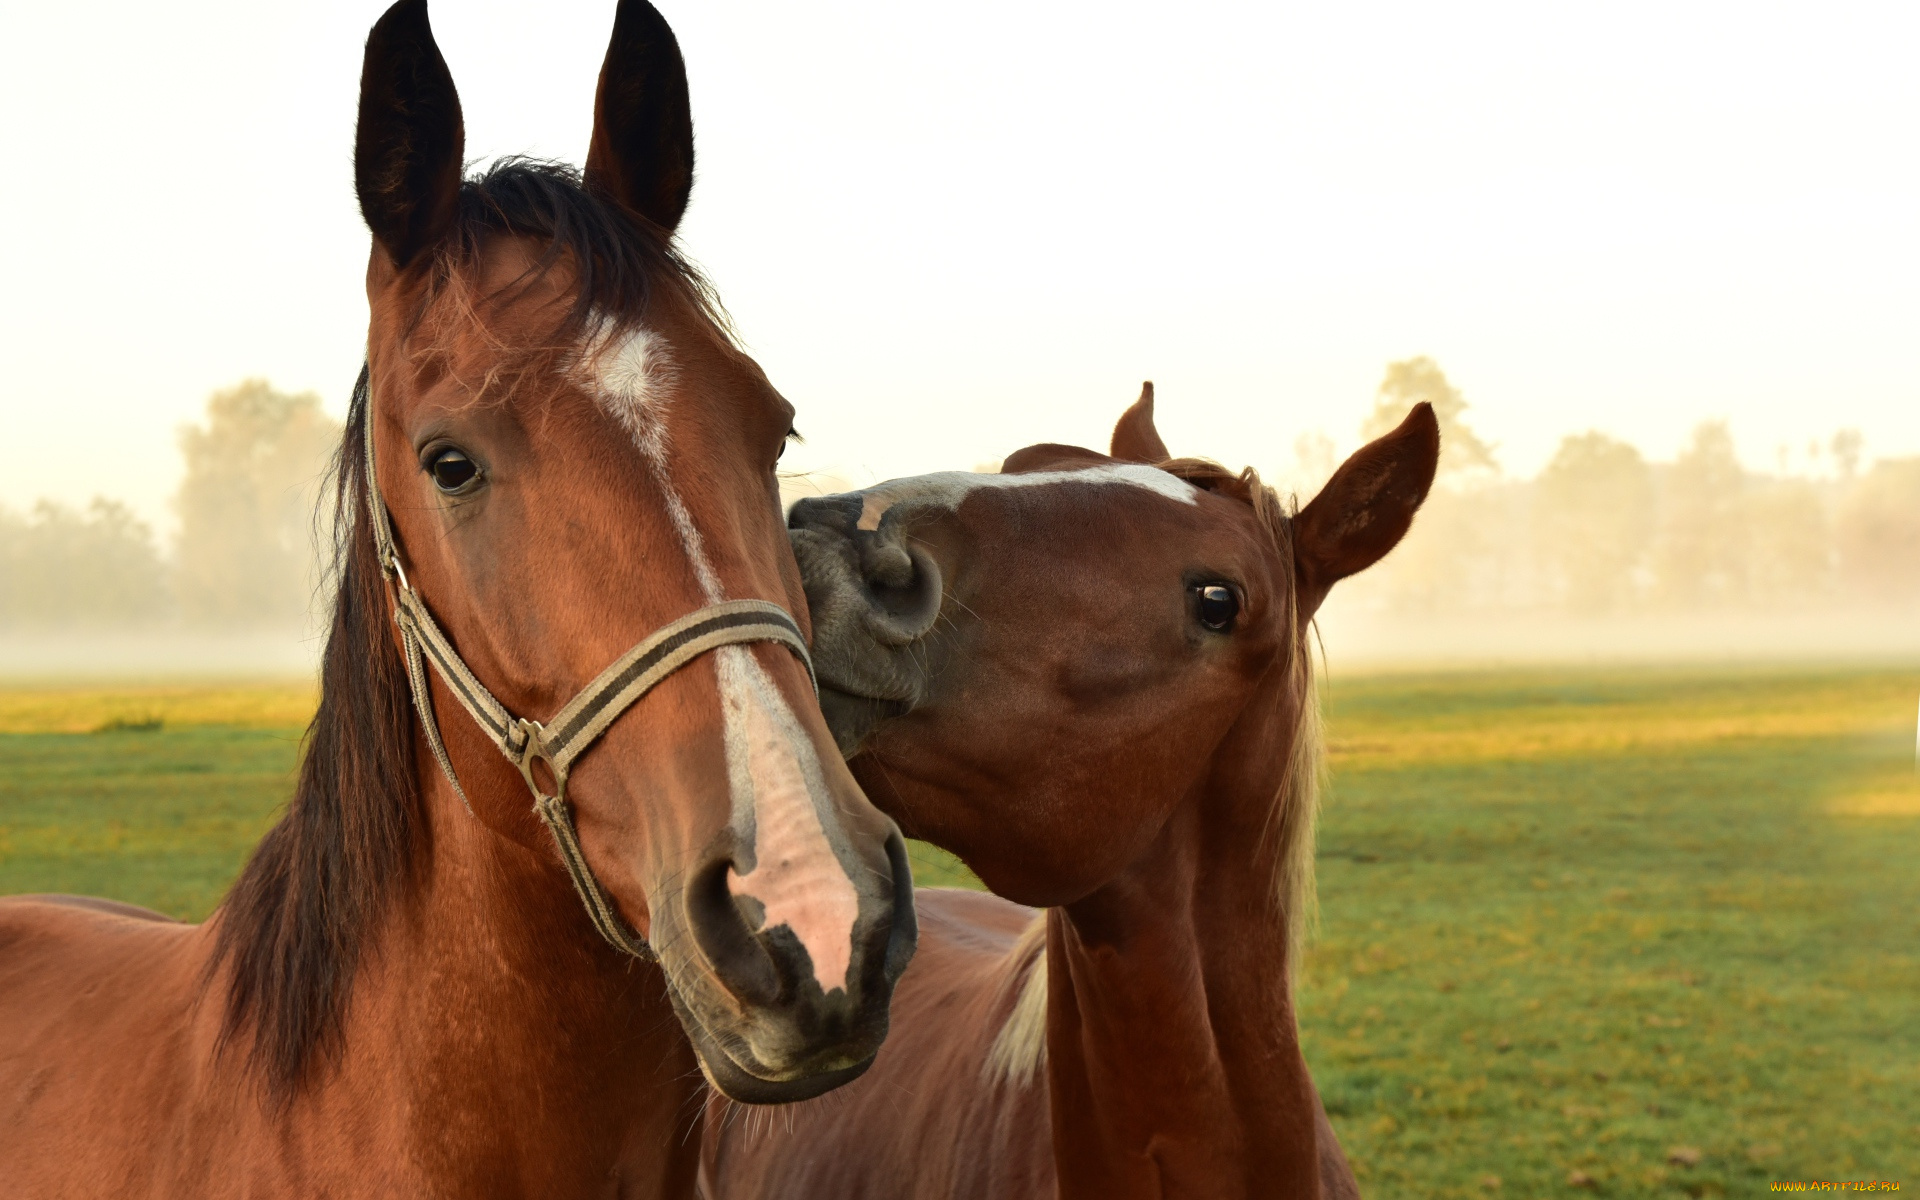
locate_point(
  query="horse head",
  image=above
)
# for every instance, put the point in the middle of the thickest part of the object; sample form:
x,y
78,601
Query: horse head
x,y
996,650
575,455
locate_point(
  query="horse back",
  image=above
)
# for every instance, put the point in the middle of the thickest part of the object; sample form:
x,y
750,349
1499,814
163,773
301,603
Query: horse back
x,y
97,1027
116,908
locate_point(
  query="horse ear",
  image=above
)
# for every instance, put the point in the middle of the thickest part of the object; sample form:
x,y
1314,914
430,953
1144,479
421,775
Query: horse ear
x,y
642,148
1134,437
406,153
1368,505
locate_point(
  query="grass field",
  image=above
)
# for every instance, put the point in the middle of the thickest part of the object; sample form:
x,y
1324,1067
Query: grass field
x,y
1640,933
1631,933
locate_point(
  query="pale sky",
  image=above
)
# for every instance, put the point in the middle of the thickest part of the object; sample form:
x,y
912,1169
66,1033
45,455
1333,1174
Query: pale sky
x,y
950,232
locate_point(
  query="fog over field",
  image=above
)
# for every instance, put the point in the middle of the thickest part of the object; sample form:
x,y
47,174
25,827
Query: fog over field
x,y
1602,556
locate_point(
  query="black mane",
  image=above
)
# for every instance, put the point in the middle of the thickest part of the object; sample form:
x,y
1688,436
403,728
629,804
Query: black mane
x,y
293,923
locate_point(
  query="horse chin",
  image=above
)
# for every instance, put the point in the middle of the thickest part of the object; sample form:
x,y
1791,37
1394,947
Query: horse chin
x,y
852,717
751,1084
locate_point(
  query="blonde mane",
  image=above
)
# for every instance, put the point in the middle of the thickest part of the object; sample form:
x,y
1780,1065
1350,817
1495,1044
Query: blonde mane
x,y
1021,1045
1019,1050
1296,807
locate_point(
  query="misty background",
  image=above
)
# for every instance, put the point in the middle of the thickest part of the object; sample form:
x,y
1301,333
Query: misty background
x,y
1601,554
1680,227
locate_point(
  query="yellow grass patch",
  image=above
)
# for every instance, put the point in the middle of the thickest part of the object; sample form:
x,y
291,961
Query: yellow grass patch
x,y
1889,800
283,705
1772,709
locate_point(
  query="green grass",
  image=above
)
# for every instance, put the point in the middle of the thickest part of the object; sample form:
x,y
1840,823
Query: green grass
x,y
1577,928
1572,922
155,794
934,867
162,818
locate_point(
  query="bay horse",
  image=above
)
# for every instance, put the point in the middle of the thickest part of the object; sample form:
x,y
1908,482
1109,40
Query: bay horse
x,y
1089,677
483,953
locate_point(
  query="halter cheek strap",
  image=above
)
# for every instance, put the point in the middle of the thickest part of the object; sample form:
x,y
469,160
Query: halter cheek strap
x,y
560,741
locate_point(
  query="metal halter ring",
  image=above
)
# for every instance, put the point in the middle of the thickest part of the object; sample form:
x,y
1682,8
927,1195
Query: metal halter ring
x,y
534,750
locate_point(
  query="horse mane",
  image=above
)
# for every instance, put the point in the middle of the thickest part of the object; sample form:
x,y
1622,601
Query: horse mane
x,y
296,922
1019,1049
1296,807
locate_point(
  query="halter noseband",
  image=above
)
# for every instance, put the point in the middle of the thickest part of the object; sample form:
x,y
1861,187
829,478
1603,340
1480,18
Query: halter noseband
x,y
564,738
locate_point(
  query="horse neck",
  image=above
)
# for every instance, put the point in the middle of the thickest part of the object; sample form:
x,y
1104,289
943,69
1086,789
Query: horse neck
x,y
1173,1058
520,1046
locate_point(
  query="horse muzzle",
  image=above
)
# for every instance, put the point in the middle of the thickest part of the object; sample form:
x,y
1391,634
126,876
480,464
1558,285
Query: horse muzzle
x,y
765,1028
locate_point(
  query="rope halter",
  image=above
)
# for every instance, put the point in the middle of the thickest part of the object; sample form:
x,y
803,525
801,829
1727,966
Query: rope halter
x,y
558,742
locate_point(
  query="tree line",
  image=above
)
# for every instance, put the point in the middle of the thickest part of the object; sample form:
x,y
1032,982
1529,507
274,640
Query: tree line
x,y
1602,530
245,554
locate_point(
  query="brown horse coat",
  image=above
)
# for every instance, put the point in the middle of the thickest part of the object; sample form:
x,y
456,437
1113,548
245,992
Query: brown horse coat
x,y
403,995
1090,680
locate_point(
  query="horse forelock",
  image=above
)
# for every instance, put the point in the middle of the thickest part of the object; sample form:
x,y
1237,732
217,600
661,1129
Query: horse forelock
x,y
617,259
579,281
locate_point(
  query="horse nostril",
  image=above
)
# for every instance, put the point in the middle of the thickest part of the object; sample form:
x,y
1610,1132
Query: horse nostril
x,y
725,935
904,590
890,567
863,586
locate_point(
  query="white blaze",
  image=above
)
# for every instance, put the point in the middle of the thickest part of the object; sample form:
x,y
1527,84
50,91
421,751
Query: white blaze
x,y
633,379
774,775
948,488
796,876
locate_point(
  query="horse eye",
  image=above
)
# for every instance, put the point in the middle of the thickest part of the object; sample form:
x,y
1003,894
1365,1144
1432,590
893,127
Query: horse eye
x,y
1218,605
453,471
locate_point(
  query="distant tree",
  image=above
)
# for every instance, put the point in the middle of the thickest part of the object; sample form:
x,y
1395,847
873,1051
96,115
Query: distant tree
x,y
1846,452
1593,520
59,567
246,550
1790,542
1463,553
1468,552
1409,382
1878,534
1701,560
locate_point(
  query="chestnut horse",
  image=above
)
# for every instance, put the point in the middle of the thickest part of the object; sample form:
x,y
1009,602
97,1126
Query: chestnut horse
x,y
425,987
1089,678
